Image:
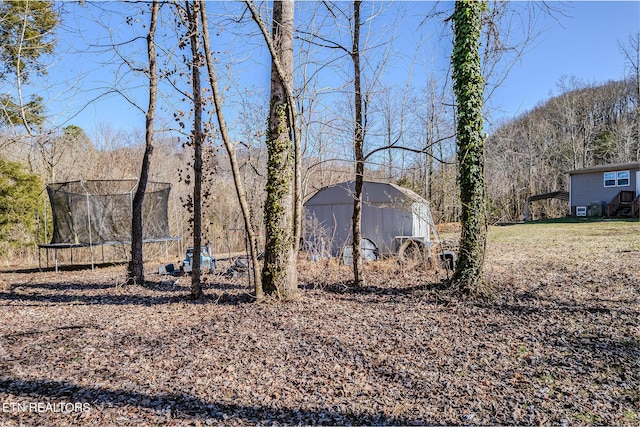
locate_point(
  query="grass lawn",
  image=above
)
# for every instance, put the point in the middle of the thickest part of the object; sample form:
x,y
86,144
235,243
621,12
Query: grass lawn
x,y
557,343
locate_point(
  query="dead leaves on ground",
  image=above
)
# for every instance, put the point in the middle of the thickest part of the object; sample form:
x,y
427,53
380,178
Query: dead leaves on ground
x,y
552,347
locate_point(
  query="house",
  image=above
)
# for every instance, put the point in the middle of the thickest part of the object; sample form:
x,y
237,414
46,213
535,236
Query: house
x,y
392,216
607,190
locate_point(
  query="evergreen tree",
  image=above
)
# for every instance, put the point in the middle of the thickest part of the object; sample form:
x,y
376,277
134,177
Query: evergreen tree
x,y
19,190
26,35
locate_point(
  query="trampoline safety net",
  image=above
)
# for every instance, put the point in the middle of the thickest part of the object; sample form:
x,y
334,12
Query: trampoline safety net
x,y
99,212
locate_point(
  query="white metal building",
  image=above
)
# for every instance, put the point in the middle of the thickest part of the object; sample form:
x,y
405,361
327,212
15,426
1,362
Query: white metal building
x,y
391,215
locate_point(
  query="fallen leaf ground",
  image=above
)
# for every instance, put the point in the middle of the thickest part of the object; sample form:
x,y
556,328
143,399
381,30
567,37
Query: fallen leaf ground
x,y
557,343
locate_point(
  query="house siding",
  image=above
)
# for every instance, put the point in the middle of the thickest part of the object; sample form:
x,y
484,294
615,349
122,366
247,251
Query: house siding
x,y
588,188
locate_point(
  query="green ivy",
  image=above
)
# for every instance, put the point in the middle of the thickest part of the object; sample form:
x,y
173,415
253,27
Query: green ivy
x,y
468,88
279,180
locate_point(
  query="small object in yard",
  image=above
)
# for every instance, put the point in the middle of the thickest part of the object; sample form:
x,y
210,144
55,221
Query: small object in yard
x,y
368,251
448,259
207,261
167,269
239,267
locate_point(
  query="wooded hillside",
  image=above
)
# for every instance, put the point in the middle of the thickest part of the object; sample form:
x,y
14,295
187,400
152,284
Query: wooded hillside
x,y
586,125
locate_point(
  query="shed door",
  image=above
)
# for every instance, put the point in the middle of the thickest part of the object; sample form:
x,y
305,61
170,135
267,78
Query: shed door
x,y
637,183
421,220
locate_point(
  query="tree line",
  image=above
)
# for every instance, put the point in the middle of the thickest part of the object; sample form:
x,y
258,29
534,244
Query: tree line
x,y
280,146
586,125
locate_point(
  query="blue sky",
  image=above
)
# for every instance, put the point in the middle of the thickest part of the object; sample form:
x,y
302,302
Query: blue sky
x,y
584,44
581,42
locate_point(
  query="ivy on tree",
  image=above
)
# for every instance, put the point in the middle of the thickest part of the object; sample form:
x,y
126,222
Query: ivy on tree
x,y
469,92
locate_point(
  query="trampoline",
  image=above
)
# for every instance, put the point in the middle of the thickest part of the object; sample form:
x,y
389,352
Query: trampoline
x,y
98,213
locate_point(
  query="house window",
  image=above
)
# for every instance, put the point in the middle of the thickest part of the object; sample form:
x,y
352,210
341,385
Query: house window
x,y
616,179
623,178
609,179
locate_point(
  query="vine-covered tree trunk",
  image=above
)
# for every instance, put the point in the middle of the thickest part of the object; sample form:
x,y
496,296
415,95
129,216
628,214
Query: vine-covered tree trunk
x,y
358,150
135,273
279,274
469,91
198,138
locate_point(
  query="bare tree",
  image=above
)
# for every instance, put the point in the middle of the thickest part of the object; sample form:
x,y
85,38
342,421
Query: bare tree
x,y
358,149
53,146
135,273
280,69
362,92
231,152
192,20
631,52
353,52
279,274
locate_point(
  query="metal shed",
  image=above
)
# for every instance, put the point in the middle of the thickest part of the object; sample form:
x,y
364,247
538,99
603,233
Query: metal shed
x,y
391,216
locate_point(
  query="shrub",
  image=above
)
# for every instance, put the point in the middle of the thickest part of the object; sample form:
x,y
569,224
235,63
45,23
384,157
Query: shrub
x,y
19,190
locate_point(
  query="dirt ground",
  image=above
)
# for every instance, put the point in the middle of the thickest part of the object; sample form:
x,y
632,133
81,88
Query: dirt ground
x,y
558,342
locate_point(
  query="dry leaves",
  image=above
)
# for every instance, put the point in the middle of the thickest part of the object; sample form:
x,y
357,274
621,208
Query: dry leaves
x,y
557,345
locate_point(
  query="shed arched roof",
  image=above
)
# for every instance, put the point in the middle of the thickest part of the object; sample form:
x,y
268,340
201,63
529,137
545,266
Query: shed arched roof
x,y
372,192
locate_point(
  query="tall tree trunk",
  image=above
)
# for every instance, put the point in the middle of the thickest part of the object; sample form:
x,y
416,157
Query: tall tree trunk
x,y
198,138
135,273
282,72
358,149
231,152
279,274
469,88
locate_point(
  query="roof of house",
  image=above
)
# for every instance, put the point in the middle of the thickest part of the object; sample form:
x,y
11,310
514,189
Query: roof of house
x,y
606,168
